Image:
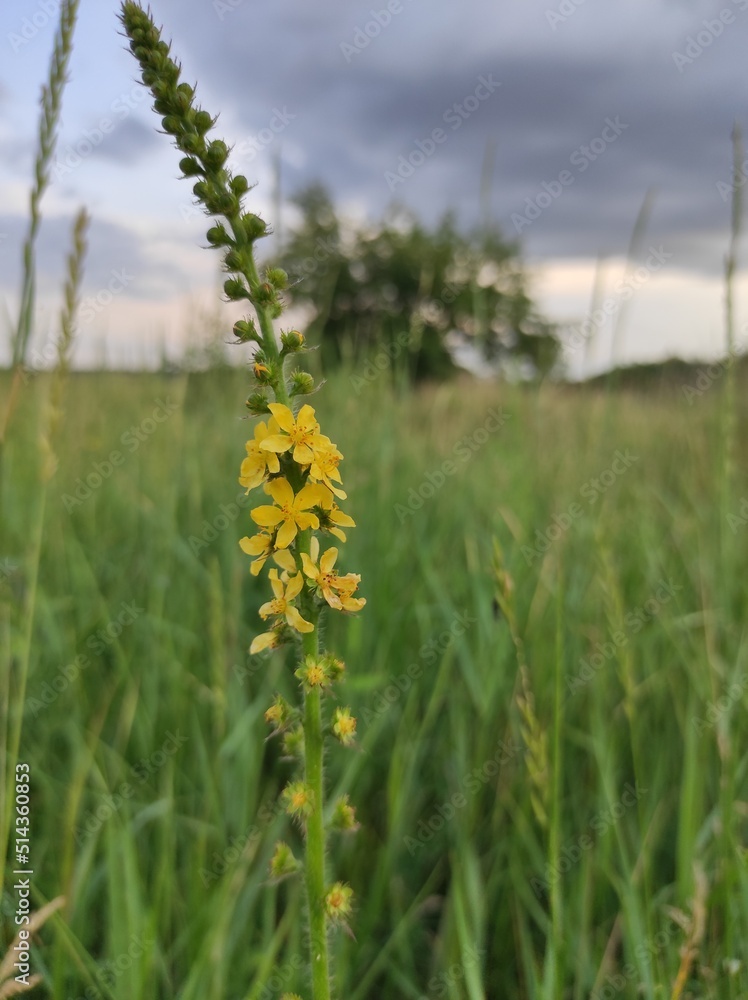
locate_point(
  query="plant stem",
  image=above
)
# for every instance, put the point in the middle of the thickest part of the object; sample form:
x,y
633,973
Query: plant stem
x,y
315,835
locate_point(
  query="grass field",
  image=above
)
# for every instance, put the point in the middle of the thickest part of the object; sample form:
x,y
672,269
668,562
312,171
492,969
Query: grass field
x,y
572,829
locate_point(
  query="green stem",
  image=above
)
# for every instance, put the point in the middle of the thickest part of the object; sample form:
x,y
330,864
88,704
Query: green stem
x,y
315,835
269,343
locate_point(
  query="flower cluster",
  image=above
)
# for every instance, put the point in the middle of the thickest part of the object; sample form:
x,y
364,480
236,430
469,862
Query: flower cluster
x,y
298,467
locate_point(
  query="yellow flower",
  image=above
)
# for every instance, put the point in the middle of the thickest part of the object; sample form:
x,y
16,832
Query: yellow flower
x,y
325,466
298,799
259,463
292,511
327,579
281,605
338,902
267,640
260,546
344,726
333,516
301,433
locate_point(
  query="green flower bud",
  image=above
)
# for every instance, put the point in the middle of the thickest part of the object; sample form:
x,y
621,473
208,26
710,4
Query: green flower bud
x,y
264,294
235,290
283,862
192,143
220,202
190,167
245,331
216,154
344,816
277,277
291,341
203,122
171,124
233,260
254,226
201,190
218,237
293,743
302,384
239,185
187,90
257,404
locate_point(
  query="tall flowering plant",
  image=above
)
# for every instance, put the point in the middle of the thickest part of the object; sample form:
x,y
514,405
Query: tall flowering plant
x,y
297,468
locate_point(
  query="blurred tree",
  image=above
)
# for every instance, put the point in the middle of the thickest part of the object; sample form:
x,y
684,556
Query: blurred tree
x,y
420,296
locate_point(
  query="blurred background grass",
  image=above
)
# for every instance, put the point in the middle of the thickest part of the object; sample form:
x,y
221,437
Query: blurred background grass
x,y
477,872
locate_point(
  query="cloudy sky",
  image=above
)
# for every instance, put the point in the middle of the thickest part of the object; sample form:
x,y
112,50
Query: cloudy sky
x,y
582,108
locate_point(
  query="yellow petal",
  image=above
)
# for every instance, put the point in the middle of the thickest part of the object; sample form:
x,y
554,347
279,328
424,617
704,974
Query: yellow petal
x,y
286,534
294,587
309,568
257,565
295,620
327,561
338,517
280,490
276,442
303,454
311,495
306,419
285,560
276,584
255,545
265,641
305,521
353,603
266,516
283,415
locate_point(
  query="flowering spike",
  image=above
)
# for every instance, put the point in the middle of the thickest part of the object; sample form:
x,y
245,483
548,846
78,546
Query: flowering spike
x,y
296,465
